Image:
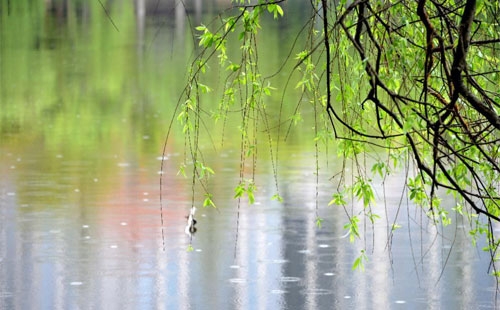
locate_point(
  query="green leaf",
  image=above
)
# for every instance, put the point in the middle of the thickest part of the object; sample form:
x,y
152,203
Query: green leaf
x,y
395,226
204,88
275,9
338,199
363,191
379,168
182,170
233,67
359,262
239,191
201,28
280,10
250,192
352,228
277,197
319,222
208,201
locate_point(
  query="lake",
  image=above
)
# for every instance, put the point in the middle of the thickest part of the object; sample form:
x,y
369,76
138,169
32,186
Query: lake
x,y
85,104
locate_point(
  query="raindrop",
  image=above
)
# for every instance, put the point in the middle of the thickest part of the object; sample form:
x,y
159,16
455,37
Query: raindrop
x,y
59,156
305,251
114,246
76,283
85,226
400,301
198,250
96,180
278,292
329,274
238,280
123,164
123,223
77,190
12,167
145,200
324,246
162,158
234,266
11,194
319,291
290,279
145,137
347,297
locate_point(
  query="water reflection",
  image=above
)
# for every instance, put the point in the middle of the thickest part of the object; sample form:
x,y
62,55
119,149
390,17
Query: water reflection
x,y
100,250
83,115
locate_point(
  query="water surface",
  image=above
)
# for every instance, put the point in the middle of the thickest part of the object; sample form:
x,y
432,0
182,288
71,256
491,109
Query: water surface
x,y
84,111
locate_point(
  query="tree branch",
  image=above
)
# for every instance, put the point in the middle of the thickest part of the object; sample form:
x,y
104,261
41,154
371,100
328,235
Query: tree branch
x,y
460,63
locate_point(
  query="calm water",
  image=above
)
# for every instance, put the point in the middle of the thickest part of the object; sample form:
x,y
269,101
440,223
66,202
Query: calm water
x,y
84,111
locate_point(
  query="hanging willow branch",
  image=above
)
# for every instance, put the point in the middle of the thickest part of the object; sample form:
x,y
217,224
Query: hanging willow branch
x,y
413,78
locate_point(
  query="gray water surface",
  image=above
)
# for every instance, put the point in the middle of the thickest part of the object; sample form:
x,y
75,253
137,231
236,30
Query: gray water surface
x,y
104,250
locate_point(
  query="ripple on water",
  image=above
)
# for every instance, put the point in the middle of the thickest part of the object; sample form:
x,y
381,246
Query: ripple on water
x,y
275,261
76,283
238,280
5,294
317,291
289,279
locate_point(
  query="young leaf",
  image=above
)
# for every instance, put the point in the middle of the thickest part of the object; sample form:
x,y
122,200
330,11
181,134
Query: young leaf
x,y
239,191
337,199
208,201
359,262
250,192
319,222
277,197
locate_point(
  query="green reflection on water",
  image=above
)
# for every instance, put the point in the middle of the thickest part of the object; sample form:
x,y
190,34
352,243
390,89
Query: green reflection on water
x,y
78,96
